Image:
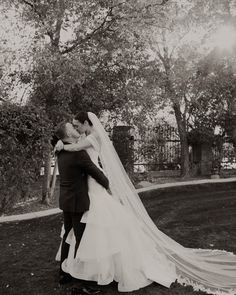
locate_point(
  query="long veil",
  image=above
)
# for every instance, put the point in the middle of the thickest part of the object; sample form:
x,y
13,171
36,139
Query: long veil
x,y
212,271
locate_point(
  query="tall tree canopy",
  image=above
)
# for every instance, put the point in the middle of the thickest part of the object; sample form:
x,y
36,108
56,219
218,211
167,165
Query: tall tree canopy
x,y
128,57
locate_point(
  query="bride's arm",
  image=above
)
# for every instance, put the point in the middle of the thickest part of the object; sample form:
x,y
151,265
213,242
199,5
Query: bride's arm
x,y
81,145
73,147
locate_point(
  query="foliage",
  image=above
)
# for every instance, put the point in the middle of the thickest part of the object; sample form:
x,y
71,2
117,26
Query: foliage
x,y
16,49
90,81
83,54
128,58
182,36
75,63
214,95
24,133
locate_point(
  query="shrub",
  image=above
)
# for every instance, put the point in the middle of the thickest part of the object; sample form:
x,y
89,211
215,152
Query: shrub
x,y
24,133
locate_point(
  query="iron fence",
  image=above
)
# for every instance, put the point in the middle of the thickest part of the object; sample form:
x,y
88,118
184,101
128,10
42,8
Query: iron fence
x,y
157,149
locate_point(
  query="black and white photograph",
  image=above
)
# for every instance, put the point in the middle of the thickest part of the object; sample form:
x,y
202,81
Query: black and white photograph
x,y
117,147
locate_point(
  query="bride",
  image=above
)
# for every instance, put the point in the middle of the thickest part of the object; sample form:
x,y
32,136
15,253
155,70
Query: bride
x,y
122,243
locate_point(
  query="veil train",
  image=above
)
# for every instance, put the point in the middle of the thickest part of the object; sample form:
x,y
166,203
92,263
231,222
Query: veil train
x,y
212,271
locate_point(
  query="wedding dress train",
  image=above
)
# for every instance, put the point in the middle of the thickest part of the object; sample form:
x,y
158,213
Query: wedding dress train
x,y
122,243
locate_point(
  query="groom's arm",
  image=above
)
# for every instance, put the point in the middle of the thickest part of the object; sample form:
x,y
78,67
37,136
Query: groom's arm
x,y
84,161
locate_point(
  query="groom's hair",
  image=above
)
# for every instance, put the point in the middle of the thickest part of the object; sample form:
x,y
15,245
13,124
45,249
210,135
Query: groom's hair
x,y
61,132
82,117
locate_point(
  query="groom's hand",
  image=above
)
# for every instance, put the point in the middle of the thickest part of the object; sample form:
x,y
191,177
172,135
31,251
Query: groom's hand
x,y
59,146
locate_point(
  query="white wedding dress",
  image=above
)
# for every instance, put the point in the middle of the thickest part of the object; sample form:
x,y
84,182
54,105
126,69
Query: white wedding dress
x,y
121,242
114,245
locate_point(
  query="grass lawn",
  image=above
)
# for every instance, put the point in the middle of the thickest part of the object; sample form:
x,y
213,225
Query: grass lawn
x,y
202,216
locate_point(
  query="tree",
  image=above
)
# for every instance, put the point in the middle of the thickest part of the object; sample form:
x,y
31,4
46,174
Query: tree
x,y
52,18
97,49
165,40
80,56
178,39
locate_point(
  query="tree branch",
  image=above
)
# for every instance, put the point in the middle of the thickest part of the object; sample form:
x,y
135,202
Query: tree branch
x,y
186,108
3,99
161,57
178,43
89,36
28,3
59,22
33,6
54,36
157,4
22,97
164,2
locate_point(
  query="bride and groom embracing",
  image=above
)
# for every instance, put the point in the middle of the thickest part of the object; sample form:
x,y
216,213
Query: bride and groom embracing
x,y
108,235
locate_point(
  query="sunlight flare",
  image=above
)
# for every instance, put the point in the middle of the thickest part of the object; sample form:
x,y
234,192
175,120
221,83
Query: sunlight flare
x,y
225,37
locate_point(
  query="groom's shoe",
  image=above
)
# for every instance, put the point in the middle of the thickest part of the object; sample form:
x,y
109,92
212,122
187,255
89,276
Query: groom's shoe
x,y
84,290
90,291
65,278
76,291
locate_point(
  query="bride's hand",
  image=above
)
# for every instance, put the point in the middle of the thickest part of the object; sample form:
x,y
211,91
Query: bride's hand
x,y
59,146
109,191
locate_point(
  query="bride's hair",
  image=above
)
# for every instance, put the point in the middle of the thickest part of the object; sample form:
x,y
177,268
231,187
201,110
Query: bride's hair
x,y
82,117
60,131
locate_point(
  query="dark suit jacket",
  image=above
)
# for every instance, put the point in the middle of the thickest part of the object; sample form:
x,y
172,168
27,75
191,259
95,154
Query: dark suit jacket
x,y
74,168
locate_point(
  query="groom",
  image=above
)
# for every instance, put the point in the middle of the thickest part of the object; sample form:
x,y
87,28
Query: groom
x,y
74,168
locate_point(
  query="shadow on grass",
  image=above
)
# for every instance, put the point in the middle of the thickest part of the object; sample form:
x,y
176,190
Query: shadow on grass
x,y
197,217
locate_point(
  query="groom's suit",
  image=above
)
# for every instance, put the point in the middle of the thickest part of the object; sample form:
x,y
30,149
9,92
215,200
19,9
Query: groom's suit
x,y
74,168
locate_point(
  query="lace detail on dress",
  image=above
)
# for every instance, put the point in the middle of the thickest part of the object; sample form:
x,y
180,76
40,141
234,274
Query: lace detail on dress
x,y
198,287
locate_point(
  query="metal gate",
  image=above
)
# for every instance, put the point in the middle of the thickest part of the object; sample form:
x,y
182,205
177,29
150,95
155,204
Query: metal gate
x,y
157,149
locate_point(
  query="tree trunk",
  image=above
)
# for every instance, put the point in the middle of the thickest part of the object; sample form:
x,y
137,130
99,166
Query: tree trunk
x,y
54,179
185,163
47,177
169,89
48,187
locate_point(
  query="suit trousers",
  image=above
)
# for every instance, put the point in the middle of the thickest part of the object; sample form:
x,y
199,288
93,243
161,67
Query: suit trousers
x,y
71,220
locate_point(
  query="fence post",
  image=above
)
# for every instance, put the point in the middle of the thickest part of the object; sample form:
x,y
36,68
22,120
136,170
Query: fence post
x,y
123,142
202,159
206,159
